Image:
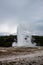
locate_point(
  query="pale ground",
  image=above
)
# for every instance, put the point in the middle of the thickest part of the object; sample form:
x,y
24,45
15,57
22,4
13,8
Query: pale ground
x,y
21,56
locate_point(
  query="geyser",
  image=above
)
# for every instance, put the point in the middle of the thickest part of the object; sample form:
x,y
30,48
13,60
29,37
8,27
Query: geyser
x,y
23,37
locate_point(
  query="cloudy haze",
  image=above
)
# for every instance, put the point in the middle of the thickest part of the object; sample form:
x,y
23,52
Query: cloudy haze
x,y
15,12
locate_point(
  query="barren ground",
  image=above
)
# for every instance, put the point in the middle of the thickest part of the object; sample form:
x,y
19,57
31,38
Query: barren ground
x,y
21,56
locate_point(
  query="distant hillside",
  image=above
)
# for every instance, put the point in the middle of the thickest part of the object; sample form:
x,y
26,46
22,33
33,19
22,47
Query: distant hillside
x,y
3,33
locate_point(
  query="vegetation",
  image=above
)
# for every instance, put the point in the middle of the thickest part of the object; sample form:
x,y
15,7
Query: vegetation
x,y
6,41
38,40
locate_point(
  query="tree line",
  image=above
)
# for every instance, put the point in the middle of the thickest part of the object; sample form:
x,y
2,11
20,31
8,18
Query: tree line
x,y
6,41
38,40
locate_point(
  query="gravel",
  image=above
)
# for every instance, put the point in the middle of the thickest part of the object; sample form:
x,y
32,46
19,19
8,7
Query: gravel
x,y
35,58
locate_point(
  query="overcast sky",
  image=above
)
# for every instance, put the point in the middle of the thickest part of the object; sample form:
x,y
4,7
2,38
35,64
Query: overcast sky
x,y
26,12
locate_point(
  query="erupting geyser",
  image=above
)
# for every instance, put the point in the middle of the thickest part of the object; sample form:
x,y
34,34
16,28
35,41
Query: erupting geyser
x,y
23,37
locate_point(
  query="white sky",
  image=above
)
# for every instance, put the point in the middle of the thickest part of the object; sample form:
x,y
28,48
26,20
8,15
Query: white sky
x,y
14,12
